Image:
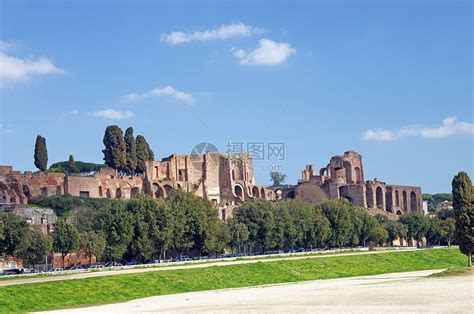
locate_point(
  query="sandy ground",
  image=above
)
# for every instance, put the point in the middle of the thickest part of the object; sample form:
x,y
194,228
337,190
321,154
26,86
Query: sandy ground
x,y
165,267
399,292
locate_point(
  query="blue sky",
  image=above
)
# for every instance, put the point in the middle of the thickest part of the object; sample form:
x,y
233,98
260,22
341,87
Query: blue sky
x,y
391,80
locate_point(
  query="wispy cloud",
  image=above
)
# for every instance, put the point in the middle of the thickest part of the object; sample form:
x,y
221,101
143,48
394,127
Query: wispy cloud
x,y
450,126
6,129
188,99
221,33
113,114
268,52
16,69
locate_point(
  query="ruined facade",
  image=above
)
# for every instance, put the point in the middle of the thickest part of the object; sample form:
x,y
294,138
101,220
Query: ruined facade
x,y
225,181
343,177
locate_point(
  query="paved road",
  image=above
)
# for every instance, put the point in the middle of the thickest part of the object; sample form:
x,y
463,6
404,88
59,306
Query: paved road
x,y
200,265
399,292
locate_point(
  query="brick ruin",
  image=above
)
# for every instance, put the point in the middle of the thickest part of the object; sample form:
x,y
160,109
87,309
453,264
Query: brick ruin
x,y
226,182
343,177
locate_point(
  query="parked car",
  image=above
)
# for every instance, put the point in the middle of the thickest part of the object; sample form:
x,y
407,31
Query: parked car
x,y
96,267
76,268
13,271
56,270
131,263
184,258
30,271
113,264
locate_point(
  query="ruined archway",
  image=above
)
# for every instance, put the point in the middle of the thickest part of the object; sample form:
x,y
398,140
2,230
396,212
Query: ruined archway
x,y
397,199
290,195
239,192
405,201
358,175
389,201
348,168
262,193
344,193
255,192
168,188
413,202
158,191
379,197
118,193
134,192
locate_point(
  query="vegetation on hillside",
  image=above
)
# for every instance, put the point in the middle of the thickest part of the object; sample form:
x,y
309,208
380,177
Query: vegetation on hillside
x,y
434,200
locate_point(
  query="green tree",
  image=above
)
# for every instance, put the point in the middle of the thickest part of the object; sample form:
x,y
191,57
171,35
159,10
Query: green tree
x,y
115,224
144,153
447,230
417,226
35,248
72,168
339,215
114,152
464,214
91,244
257,215
41,153
379,235
370,230
218,238
15,230
131,152
277,178
65,238
239,235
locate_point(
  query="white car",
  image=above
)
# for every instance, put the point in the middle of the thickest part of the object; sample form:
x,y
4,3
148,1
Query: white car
x,y
96,267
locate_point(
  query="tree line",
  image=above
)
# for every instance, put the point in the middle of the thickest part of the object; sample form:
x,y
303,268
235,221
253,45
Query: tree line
x,y
145,228
123,152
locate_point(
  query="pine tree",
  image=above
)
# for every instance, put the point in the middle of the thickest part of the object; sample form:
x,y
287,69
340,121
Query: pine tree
x,y
115,148
131,152
464,214
72,168
41,153
144,153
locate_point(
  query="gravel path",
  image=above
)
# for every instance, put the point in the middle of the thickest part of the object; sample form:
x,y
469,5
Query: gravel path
x,y
398,292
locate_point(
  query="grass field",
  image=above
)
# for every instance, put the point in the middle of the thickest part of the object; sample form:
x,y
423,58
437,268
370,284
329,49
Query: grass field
x,y
111,289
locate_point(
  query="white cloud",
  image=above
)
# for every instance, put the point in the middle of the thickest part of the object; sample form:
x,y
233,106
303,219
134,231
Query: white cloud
x,y
268,52
450,126
223,32
158,92
69,113
113,114
16,69
6,129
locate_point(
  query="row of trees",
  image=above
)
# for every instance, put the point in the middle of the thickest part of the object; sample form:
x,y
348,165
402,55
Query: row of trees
x,y
126,153
146,228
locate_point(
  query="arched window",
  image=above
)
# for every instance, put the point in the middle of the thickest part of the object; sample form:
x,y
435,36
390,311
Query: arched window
x,y
413,202
379,197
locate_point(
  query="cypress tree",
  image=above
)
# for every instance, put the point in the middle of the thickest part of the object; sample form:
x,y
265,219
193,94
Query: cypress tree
x,y
131,152
144,153
464,214
115,148
41,153
72,168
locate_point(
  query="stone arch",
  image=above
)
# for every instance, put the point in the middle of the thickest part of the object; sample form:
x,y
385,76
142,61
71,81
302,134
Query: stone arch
x,y
239,191
168,188
158,190
405,201
262,193
413,202
290,195
379,197
399,212
344,193
358,175
134,191
179,186
118,193
44,191
397,199
370,197
108,194
389,201
255,192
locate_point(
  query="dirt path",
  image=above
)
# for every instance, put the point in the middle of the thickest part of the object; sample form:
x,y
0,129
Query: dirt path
x,y
398,292
33,279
